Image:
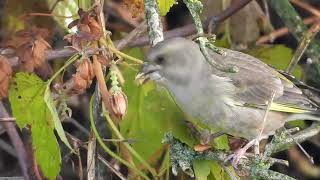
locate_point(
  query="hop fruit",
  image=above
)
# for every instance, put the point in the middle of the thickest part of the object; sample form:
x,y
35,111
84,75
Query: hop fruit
x,y
118,104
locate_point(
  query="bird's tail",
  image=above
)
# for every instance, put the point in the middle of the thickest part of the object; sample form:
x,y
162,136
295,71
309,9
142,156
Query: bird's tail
x,y
313,117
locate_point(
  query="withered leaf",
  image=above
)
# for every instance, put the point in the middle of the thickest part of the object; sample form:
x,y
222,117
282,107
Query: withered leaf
x,y
32,51
5,75
88,29
136,7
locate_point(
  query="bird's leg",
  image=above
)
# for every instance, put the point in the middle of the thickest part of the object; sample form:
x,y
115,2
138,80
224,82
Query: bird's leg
x,y
237,155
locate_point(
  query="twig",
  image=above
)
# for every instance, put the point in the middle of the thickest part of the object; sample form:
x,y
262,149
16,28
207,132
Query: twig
x,y
100,157
8,148
16,141
280,144
283,31
132,36
232,9
102,85
8,119
304,42
109,151
307,7
304,164
127,145
48,15
295,25
144,40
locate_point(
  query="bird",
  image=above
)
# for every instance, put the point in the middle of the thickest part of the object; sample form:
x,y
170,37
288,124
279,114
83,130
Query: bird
x,y
234,103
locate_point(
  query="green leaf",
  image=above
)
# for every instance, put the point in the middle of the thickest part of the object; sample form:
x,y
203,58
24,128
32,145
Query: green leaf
x,y
26,97
202,169
165,5
57,123
151,113
208,169
46,150
67,8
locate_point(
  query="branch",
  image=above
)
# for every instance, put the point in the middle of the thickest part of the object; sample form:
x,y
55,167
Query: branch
x,y
303,45
16,141
295,25
178,32
152,16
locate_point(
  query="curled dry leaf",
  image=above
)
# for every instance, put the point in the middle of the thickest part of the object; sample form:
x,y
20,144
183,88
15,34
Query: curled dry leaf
x,y
118,104
5,75
88,29
32,50
136,7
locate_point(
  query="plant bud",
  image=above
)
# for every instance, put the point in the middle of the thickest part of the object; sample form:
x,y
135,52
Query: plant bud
x,y
119,104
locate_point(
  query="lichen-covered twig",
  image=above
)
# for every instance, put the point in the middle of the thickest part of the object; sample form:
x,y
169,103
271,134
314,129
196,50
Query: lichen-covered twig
x,y
151,11
195,7
182,157
282,141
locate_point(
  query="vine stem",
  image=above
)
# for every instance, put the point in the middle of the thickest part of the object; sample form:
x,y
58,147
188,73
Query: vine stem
x,y
116,51
69,62
127,145
105,147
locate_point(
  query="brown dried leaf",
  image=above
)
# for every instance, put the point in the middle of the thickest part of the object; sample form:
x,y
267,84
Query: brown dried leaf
x,y
40,52
95,28
28,35
5,75
32,50
136,7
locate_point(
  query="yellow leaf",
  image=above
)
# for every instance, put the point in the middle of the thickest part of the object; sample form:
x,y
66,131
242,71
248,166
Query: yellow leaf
x,y
165,5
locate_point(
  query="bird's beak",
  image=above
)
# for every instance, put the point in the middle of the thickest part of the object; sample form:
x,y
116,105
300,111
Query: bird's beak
x,y
145,73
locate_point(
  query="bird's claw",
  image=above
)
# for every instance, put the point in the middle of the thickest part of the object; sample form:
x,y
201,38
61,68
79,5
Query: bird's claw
x,y
236,157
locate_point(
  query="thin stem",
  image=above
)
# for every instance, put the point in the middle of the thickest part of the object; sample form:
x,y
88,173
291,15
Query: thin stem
x,y
127,145
304,43
105,147
116,51
70,61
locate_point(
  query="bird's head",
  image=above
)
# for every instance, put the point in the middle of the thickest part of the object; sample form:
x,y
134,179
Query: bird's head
x,y
174,61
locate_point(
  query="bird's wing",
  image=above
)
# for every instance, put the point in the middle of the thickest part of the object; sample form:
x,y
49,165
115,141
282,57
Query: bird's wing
x,y
256,82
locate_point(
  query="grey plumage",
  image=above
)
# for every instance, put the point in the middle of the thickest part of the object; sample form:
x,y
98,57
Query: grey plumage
x,y
234,103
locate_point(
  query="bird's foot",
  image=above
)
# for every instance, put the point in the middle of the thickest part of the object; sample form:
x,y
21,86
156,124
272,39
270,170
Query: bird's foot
x,y
240,153
236,157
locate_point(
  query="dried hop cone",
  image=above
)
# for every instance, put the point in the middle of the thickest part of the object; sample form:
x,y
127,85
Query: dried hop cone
x,y
118,104
82,79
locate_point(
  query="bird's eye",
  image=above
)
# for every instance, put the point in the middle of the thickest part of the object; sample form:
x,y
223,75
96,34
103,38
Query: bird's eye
x,y
160,60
